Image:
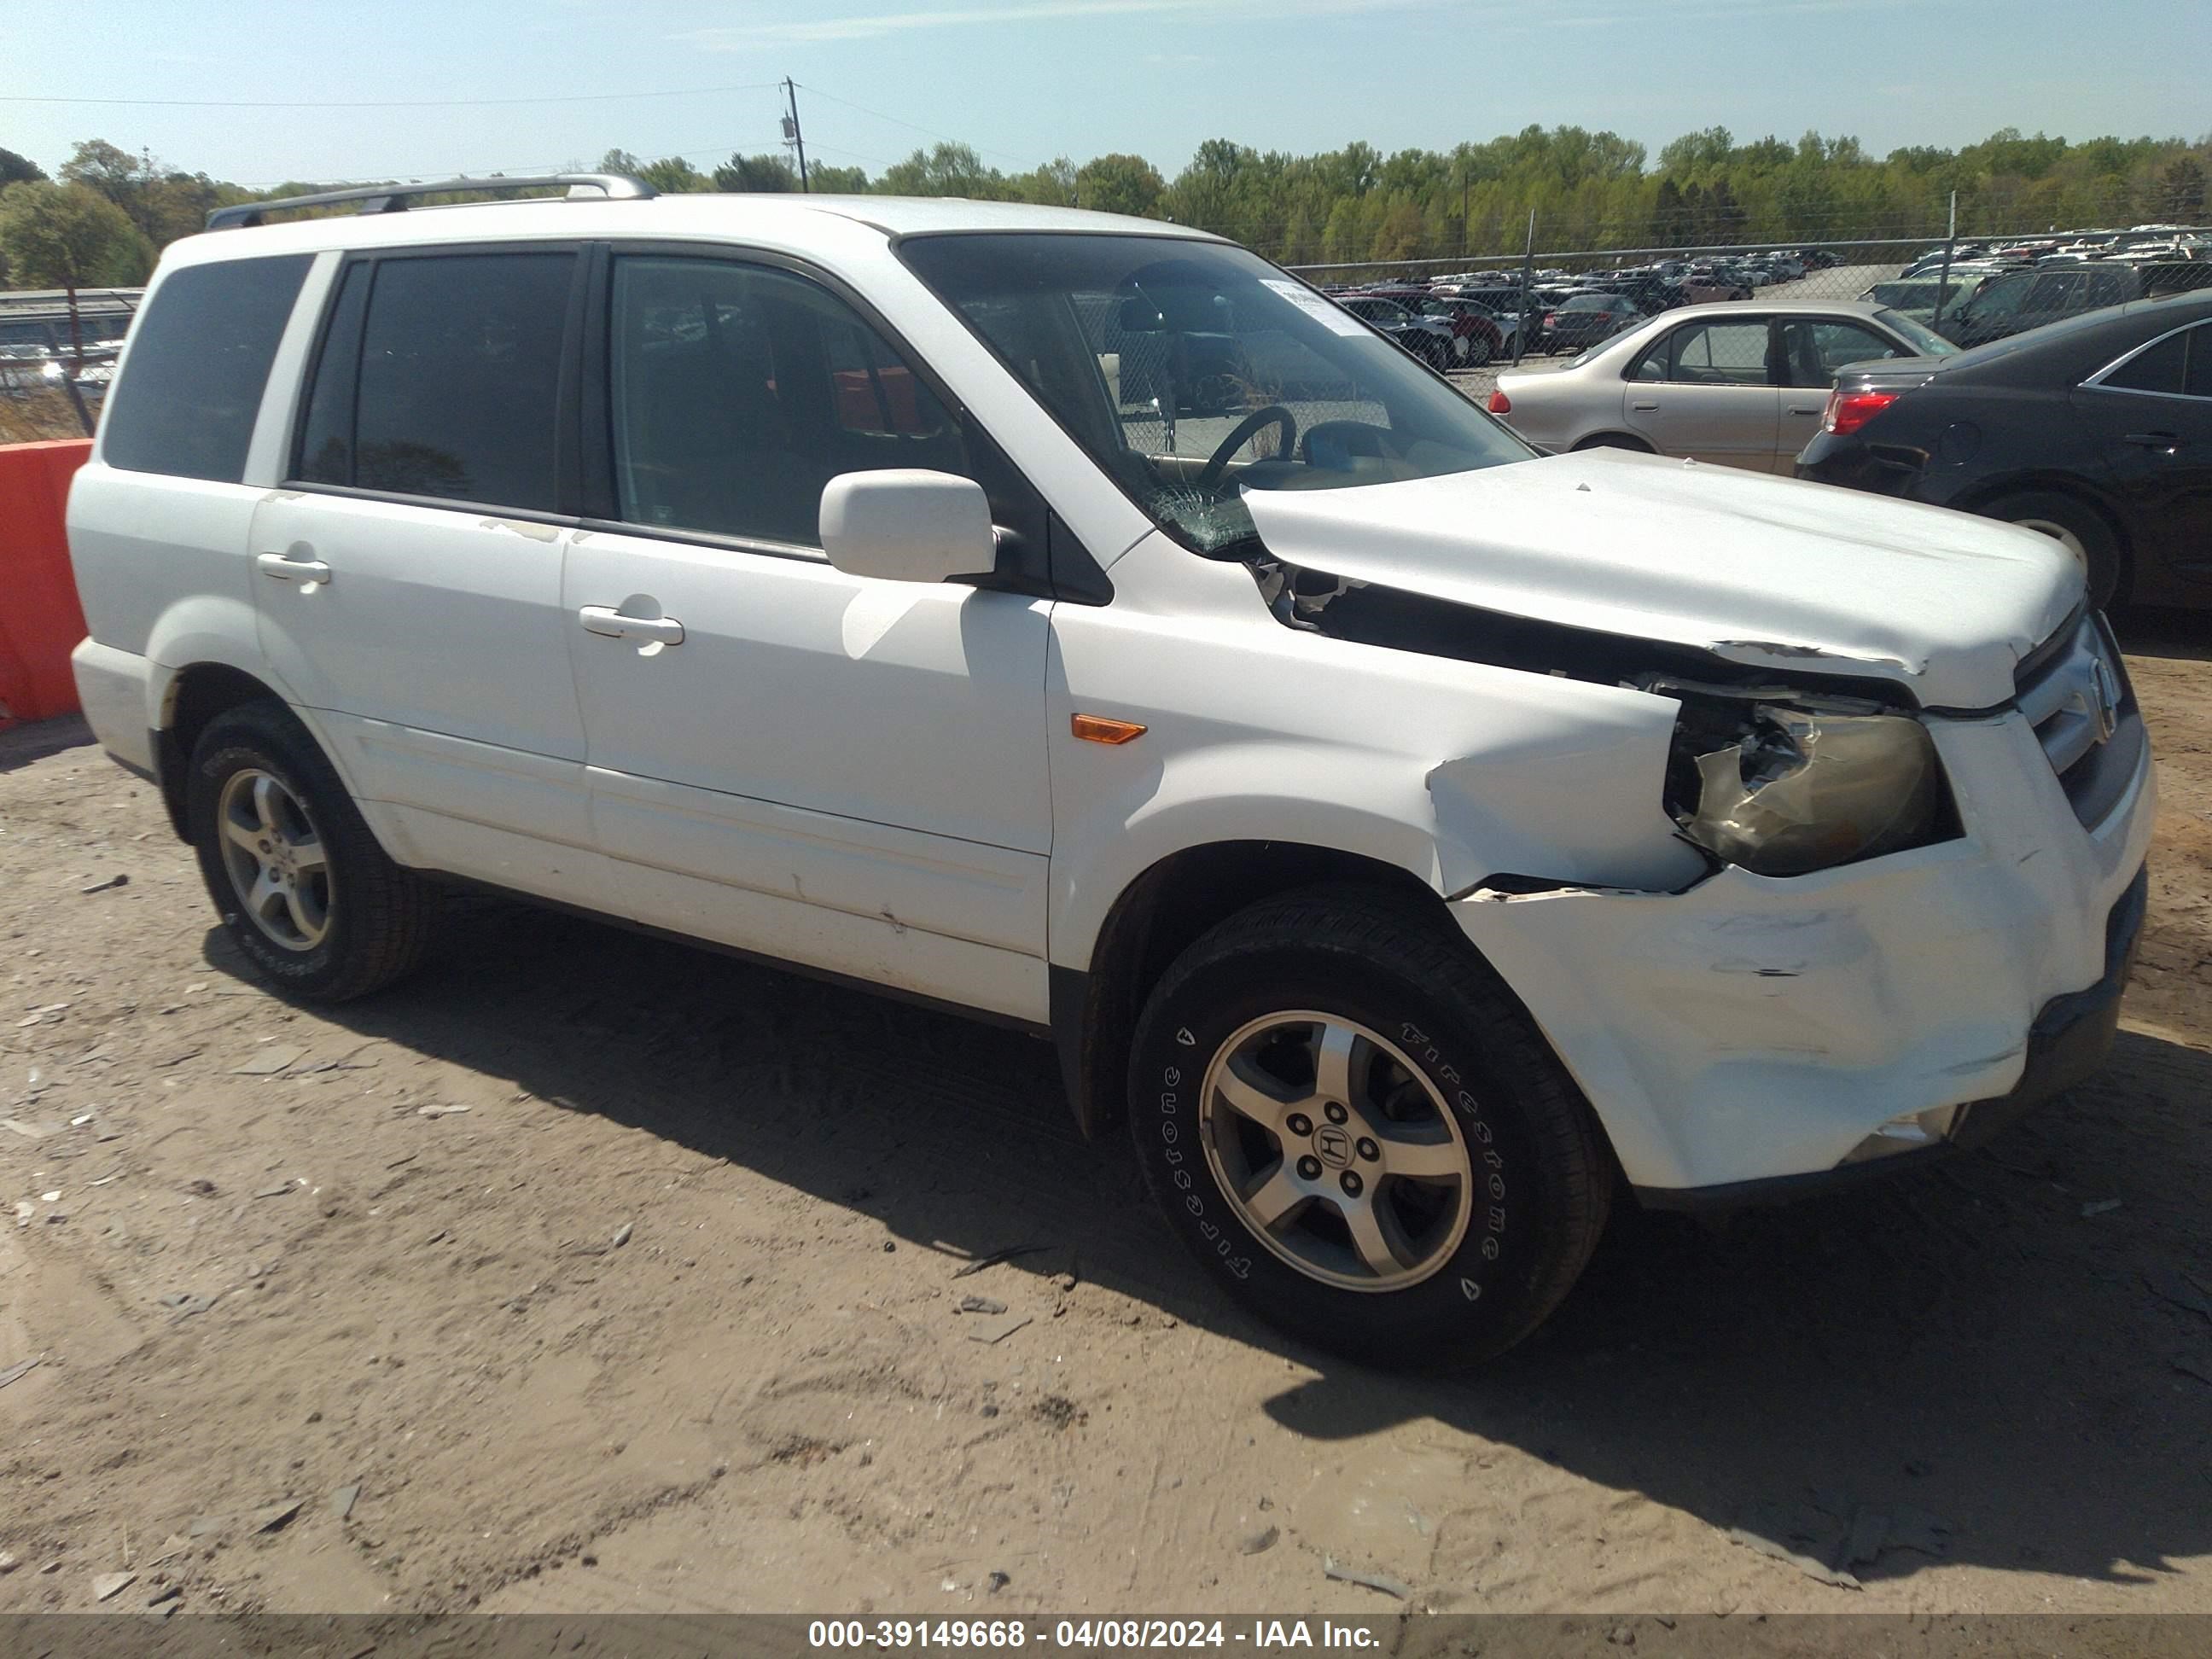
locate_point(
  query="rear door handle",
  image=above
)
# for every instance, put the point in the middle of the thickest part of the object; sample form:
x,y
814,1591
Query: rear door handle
x,y
2155,440
1644,408
286,568
1797,410
610,624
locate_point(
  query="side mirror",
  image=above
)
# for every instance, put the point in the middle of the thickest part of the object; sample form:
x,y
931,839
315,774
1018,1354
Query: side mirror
x,y
1140,316
906,525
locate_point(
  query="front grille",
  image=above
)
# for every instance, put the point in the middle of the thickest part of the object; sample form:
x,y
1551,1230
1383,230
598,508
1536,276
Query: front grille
x,y
2084,712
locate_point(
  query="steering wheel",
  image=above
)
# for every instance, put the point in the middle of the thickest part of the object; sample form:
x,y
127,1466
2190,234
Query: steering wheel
x,y
1273,415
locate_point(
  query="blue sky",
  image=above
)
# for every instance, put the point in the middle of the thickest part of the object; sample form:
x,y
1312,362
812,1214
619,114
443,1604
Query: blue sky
x,y
1026,80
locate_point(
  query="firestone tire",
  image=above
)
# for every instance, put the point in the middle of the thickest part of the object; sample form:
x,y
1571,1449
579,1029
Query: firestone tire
x,y
1452,1060
340,919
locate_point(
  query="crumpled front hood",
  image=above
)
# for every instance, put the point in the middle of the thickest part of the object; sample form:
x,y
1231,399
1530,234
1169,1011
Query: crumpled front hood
x,y
1759,570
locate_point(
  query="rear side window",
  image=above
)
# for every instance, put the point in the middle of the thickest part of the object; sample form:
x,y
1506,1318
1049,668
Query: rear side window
x,y
2156,368
440,377
199,361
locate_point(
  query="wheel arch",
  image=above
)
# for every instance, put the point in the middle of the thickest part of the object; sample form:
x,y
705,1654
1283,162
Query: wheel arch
x,y
2075,488
1614,438
187,700
1153,921
192,697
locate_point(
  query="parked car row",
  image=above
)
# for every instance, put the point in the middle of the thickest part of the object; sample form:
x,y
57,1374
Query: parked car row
x,y
1468,320
2094,427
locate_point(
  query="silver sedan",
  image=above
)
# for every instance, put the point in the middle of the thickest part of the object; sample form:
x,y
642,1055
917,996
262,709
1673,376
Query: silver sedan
x,y
1741,384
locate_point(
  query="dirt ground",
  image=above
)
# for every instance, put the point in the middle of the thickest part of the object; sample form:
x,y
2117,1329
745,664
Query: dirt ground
x,y
588,1272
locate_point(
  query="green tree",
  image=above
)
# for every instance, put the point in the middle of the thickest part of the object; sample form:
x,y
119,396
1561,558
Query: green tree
x,y
1120,184
1052,185
68,236
2181,190
1696,152
763,174
945,169
672,175
18,169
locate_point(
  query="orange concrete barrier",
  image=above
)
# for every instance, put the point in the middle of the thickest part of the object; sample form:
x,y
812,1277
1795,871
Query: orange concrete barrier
x,y
40,621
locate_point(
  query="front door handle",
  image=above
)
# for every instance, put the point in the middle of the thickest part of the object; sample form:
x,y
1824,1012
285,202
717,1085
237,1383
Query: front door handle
x,y
610,623
2166,440
286,568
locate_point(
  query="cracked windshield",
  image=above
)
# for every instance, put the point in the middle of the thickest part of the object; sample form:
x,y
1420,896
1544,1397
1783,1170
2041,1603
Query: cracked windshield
x,y
1193,371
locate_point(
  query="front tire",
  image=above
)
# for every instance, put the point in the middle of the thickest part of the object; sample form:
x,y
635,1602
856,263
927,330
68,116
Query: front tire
x,y
1348,1118
302,887
2081,530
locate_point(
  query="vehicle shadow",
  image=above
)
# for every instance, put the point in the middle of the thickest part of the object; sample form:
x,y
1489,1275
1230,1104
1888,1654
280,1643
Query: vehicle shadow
x,y
1962,1341
2180,635
31,740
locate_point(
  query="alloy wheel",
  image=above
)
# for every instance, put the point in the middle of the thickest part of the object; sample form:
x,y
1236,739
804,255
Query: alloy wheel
x,y
1337,1151
276,859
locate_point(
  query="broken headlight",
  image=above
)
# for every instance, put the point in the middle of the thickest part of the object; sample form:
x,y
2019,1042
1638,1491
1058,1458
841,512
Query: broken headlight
x,y
1782,784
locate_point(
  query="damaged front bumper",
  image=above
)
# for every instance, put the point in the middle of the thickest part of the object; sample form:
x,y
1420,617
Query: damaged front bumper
x,y
1755,1036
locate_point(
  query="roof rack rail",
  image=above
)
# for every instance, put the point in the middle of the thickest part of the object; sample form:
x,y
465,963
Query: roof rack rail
x,y
393,198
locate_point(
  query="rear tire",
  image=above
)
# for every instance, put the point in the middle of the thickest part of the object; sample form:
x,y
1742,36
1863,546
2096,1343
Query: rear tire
x,y
302,887
1616,440
2079,528
1425,1201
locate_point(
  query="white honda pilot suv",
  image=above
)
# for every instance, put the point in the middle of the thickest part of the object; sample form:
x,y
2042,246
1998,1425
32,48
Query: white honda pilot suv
x,y
1078,622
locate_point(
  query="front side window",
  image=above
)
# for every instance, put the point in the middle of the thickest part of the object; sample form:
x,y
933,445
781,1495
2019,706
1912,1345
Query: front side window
x,y
2196,378
199,363
1814,353
2003,297
1708,353
440,377
739,391
1193,371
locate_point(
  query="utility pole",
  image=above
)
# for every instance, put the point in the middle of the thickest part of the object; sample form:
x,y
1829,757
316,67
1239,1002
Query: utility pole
x,y
792,134
1943,276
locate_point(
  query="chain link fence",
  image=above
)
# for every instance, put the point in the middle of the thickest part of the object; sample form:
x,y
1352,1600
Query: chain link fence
x,y
55,363
1471,319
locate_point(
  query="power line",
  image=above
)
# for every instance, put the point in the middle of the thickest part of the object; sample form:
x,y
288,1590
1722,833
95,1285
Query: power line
x,y
416,174
929,132
390,103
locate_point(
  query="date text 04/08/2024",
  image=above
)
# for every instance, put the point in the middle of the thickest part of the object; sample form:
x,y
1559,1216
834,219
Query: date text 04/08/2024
x,y
1256,1635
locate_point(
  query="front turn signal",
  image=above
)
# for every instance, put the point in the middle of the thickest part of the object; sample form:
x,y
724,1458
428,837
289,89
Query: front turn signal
x,y
1096,728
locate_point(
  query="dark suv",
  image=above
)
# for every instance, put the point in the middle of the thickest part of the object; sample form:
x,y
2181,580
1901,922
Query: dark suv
x,y
2021,300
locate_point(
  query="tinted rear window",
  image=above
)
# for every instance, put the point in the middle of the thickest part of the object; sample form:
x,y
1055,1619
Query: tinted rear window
x,y
461,374
200,360
454,391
